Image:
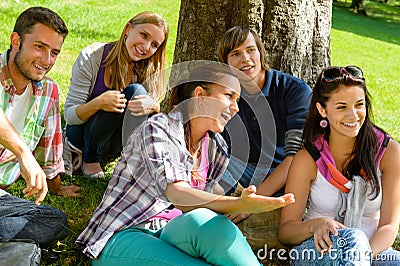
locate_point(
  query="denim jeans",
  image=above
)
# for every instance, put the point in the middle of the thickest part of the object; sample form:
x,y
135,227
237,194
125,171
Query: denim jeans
x,y
102,133
22,219
350,247
246,174
199,237
389,257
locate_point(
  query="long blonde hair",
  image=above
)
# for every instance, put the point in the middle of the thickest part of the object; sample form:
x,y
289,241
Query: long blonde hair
x,y
118,59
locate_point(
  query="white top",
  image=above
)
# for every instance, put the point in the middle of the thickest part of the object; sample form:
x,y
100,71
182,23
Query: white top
x,y
324,199
2,192
18,110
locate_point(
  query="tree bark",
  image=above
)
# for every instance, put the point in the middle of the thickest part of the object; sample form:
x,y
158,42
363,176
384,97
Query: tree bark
x,y
296,33
297,36
357,3
359,6
201,23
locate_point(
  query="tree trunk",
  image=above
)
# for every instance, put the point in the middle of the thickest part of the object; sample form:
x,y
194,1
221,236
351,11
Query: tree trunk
x,y
359,6
297,36
201,23
295,32
356,3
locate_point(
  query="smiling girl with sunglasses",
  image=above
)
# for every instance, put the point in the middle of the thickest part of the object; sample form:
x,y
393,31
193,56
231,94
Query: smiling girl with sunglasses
x,y
347,177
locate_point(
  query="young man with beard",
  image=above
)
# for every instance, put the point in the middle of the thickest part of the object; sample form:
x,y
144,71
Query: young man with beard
x,y
31,128
30,100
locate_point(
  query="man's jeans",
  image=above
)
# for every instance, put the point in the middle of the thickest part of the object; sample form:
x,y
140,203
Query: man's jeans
x,y
245,173
22,219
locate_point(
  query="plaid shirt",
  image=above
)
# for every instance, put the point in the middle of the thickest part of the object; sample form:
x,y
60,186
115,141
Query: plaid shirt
x,y
42,126
155,156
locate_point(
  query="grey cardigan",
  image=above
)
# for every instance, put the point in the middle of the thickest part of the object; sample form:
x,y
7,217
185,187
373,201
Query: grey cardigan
x,y
83,78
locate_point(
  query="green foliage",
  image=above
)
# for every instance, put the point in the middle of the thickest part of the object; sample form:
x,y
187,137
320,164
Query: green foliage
x,y
371,42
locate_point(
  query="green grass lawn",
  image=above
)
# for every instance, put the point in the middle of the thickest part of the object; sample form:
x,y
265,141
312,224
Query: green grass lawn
x,y
372,42
88,21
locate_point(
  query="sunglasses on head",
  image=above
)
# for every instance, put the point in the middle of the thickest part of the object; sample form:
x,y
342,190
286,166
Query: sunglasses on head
x,y
334,73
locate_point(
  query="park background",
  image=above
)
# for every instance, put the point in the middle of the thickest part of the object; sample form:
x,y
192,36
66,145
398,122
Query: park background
x,y
371,42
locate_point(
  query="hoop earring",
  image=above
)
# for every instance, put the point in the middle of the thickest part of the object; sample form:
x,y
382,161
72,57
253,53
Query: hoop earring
x,y
323,123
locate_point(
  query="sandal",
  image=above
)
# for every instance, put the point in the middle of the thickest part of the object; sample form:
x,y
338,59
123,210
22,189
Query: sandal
x,y
94,175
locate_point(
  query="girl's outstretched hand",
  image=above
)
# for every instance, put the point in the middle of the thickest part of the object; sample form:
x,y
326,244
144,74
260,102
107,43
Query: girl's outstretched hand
x,y
257,203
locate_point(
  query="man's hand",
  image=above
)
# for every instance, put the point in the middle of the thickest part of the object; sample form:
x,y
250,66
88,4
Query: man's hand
x,y
30,170
65,191
34,176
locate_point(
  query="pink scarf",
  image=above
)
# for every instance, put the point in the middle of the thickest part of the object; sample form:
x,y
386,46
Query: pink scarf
x,y
326,164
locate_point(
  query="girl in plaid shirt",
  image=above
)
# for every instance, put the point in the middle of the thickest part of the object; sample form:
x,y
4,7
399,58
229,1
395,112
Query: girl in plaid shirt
x,y
172,163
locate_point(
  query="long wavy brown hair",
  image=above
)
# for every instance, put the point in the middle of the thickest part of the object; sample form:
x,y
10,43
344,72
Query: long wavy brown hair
x,y
118,59
367,144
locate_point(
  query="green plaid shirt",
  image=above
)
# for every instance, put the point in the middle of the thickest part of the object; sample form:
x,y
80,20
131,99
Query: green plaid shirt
x,y
42,127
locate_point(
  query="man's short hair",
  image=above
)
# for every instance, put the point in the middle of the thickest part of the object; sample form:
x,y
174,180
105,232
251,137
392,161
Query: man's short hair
x,y
34,15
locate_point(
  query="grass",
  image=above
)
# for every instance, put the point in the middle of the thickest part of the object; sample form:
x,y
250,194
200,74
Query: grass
x,y
371,42
88,21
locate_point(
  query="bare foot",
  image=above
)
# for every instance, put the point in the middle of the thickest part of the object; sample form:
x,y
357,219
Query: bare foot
x,y
66,191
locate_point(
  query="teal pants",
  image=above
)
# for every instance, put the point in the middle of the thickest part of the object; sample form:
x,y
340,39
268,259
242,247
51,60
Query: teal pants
x,y
199,237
